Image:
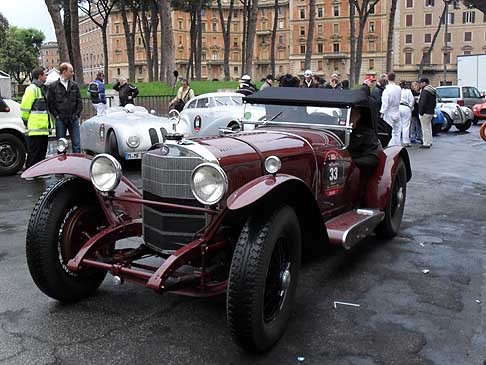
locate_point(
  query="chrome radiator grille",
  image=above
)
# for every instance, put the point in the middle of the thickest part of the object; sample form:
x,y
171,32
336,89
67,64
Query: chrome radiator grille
x,y
167,179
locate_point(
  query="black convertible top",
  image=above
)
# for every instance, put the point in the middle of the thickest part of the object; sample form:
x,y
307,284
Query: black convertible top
x,y
308,97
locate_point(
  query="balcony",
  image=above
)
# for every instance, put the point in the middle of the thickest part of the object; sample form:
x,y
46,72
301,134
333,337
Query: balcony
x,y
263,32
335,56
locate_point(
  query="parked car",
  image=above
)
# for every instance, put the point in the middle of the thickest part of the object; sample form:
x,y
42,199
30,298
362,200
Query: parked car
x,y
455,115
12,141
463,95
226,214
205,114
438,121
479,111
123,132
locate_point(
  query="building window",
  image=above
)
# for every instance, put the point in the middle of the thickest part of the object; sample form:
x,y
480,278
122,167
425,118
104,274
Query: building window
x,y
140,70
203,12
409,20
235,69
264,11
468,17
302,31
428,19
371,46
319,29
448,37
450,18
409,4
214,56
203,56
372,9
426,57
335,65
429,2
302,48
447,58
336,10
280,10
302,64
118,71
117,29
180,23
214,13
408,38
214,27
408,58
335,47
371,27
302,13
467,52
467,36
427,37
335,28
235,13
235,42
320,48
203,27
264,25
371,64
235,27
320,12
319,65
280,39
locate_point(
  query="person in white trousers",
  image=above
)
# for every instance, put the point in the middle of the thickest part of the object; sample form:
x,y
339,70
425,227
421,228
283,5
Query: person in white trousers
x,y
406,106
390,109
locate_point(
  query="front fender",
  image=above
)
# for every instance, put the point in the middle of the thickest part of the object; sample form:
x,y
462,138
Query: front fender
x,y
76,164
257,189
379,185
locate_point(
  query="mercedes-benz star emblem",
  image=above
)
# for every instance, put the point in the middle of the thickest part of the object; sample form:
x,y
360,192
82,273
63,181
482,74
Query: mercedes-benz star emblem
x,y
164,150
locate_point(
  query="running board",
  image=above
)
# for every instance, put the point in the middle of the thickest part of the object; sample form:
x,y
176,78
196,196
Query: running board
x,y
351,227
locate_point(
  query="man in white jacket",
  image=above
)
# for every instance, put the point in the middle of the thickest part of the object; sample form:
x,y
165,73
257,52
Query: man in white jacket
x,y
406,106
390,109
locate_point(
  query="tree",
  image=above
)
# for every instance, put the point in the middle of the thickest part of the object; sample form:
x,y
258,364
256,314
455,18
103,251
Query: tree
x,y
226,29
352,41
391,31
20,54
274,37
167,57
3,28
54,8
310,35
250,35
99,12
75,43
426,54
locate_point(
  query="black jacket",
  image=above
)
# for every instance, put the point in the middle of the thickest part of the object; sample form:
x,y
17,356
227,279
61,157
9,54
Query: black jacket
x,y
366,89
63,104
415,94
427,101
127,93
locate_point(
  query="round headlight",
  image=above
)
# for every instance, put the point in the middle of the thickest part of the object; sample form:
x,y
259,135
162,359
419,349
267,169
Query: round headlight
x,y
209,183
273,164
62,145
105,172
133,141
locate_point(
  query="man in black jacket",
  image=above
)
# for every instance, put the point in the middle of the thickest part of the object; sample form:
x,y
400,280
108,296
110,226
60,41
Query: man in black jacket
x,y
64,101
382,128
127,92
426,109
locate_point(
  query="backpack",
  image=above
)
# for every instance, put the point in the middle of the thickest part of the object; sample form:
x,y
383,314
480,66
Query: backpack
x,y
94,92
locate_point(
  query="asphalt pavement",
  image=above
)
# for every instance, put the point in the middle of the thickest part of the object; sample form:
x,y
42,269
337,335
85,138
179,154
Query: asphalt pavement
x,y
421,296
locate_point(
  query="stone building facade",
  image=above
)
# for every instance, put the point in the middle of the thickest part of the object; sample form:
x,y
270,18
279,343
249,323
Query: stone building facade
x,y
91,42
49,55
417,23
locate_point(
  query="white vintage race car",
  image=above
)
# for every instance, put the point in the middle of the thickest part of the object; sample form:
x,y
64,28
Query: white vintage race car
x,y
459,116
205,114
124,132
12,141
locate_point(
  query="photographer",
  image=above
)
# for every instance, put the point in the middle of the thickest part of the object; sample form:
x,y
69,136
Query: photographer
x,y
184,94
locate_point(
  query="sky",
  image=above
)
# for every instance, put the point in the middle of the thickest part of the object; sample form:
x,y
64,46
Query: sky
x,y
29,14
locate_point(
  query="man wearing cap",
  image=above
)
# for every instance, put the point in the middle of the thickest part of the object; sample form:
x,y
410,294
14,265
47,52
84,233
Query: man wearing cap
x,y
334,83
246,87
390,109
427,103
268,82
368,82
308,81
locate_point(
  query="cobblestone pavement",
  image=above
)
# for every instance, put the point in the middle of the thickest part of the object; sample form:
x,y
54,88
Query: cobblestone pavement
x,y
405,316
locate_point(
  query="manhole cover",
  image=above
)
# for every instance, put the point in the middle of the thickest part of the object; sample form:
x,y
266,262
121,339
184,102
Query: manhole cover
x,y
428,239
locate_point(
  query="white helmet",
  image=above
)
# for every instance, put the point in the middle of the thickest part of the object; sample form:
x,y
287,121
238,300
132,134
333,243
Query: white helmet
x,y
308,73
246,78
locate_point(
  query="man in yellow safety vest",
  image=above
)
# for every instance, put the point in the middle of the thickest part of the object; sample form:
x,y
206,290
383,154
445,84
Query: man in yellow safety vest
x,y
34,113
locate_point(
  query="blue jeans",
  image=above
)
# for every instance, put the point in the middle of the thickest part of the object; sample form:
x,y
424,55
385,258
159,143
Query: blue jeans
x,y
73,128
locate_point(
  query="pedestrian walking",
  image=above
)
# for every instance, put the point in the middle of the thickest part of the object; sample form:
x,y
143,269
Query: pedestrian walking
x,y
127,92
415,128
64,102
334,83
34,113
406,105
96,92
368,83
184,94
427,103
268,82
246,86
390,108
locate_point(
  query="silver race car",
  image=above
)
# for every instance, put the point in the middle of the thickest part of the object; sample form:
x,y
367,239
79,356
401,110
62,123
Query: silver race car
x,y
205,114
124,132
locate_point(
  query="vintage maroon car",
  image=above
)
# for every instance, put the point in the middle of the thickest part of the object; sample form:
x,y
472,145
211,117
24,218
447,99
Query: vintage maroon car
x,y
226,214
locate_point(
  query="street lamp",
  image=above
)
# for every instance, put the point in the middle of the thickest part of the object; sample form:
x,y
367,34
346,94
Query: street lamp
x,y
446,49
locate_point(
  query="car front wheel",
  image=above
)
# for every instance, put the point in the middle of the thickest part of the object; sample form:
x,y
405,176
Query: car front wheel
x,y
12,154
395,204
464,127
263,279
447,123
62,221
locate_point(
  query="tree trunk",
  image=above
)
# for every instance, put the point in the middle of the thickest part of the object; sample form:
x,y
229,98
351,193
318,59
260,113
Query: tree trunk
x,y
169,53
145,33
67,28
55,13
226,30
163,46
129,39
245,34
359,48
274,36
77,59
155,43
192,35
252,21
391,30
434,38
198,49
352,42
310,35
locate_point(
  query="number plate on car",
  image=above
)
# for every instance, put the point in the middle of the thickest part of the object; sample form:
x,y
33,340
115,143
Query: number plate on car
x,y
133,155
